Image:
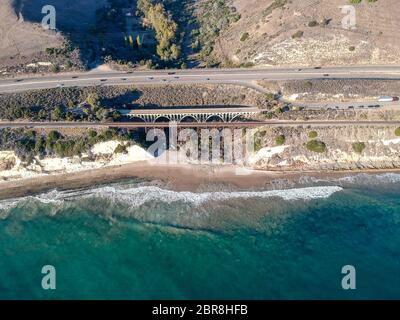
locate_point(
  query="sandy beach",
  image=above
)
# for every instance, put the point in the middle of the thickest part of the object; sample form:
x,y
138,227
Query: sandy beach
x,y
179,177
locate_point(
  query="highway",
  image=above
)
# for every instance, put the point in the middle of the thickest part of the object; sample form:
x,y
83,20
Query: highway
x,y
190,76
137,125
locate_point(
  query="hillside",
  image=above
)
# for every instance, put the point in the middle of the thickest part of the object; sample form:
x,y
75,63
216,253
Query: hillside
x,y
189,33
309,32
21,41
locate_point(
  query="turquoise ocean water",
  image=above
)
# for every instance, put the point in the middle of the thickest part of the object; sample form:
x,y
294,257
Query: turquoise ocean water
x,y
137,240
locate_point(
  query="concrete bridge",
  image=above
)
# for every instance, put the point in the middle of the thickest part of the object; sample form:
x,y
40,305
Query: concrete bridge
x,y
200,115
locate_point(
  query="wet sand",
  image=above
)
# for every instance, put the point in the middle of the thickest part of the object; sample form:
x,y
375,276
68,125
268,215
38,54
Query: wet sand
x,y
182,177
178,177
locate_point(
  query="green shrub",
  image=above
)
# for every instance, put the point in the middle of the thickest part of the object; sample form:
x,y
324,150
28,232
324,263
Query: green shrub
x,y
359,147
244,36
55,68
397,132
270,97
308,85
316,146
275,5
280,140
121,149
298,34
313,135
313,23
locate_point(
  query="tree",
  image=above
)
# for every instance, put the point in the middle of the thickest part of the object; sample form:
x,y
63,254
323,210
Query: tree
x,y
139,41
56,114
51,139
164,27
43,114
94,101
130,41
175,51
39,146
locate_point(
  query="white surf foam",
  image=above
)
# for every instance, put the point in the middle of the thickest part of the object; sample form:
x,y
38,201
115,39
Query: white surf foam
x,y
138,196
371,179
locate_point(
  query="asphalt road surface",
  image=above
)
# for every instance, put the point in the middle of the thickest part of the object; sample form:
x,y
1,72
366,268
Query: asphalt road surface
x,y
241,76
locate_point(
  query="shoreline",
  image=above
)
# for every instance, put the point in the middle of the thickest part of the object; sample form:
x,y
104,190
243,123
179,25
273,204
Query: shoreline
x,y
179,177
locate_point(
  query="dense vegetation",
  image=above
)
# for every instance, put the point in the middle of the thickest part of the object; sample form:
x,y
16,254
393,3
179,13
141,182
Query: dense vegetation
x,y
64,104
213,17
165,27
29,144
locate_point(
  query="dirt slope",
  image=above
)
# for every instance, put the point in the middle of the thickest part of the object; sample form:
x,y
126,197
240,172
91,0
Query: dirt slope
x,y
264,34
23,40
19,39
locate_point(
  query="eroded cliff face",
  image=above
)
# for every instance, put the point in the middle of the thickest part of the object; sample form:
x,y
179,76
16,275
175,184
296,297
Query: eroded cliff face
x,y
346,148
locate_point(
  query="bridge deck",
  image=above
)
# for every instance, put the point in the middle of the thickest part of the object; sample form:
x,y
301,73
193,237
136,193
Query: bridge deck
x,y
198,111
198,114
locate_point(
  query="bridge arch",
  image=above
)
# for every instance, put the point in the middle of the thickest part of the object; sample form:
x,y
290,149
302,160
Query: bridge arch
x,y
139,119
215,116
163,118
233,117
189,116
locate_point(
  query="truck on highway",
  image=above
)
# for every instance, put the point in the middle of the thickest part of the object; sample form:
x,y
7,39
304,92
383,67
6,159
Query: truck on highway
x,y
388,99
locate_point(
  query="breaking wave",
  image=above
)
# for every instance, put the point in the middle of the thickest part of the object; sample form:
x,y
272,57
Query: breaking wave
x,y
140,195
371,179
